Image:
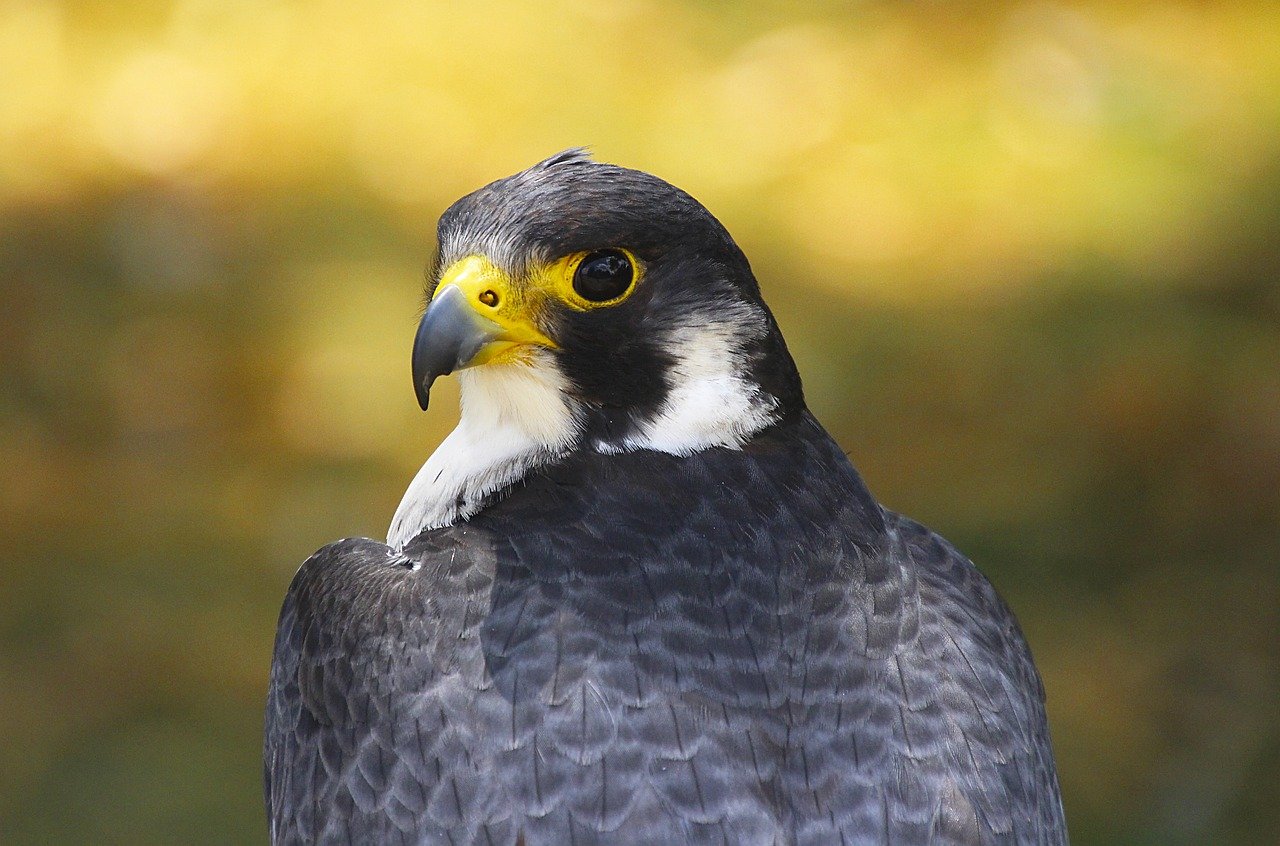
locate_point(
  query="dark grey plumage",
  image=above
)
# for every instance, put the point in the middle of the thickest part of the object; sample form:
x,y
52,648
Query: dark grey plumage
x,y
630,646
734,647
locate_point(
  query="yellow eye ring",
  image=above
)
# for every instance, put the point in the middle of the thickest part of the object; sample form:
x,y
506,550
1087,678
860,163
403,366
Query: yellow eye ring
x,y
598,278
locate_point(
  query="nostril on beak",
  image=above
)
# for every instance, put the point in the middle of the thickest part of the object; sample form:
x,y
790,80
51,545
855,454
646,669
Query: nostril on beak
x,y
489,298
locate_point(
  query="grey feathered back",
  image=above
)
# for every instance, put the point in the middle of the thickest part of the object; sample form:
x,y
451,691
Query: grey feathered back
x,y
734,647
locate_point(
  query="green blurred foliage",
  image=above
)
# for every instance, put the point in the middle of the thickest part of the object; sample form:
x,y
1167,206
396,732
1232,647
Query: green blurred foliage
x,y
1026,254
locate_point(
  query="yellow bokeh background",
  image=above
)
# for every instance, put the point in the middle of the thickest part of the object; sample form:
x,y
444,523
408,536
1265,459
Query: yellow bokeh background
x,y
1027,256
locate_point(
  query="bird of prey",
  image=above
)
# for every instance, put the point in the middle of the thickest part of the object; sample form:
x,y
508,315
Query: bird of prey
x,y
639,595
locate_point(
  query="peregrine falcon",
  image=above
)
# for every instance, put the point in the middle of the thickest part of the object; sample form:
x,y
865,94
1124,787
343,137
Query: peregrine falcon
x,y
639,595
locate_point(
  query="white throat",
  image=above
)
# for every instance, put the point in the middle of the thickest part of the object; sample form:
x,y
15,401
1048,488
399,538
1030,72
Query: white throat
x,y
514,417
517,417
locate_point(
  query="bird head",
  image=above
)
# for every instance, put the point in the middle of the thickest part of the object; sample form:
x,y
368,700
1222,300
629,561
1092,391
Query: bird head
x,y
598,305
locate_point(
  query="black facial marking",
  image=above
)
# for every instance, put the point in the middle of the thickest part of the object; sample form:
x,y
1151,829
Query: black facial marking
x,y
618,368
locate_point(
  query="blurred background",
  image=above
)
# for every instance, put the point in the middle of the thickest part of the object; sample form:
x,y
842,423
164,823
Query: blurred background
x,y
1026,254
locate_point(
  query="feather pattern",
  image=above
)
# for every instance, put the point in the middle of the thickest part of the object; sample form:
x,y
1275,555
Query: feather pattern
x,y
735,646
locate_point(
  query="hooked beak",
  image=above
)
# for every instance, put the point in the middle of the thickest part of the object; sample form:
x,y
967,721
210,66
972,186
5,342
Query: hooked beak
x,y
449,338
473,319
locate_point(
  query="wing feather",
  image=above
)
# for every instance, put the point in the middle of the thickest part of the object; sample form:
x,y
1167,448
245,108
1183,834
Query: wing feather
x,y
776,661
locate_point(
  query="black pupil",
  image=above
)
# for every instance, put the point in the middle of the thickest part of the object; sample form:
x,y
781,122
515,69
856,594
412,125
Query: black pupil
x,y
602,275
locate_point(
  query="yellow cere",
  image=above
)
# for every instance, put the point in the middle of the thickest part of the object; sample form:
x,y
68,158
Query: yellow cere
x,y
492,294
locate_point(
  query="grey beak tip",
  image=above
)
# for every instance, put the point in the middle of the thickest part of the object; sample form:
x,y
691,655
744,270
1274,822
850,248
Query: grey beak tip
x,y
448,338
423,391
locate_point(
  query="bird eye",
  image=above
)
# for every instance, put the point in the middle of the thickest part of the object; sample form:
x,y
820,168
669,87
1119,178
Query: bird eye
x,y
603,275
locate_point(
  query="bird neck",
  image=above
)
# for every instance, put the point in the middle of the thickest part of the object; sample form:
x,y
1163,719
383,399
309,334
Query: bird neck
x,y
519,417
713,391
